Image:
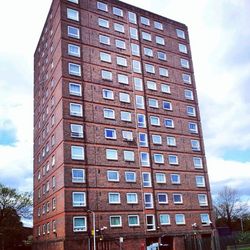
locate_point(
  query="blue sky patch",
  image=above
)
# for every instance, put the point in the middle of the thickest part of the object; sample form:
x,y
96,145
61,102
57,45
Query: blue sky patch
x,y
8,133
237,155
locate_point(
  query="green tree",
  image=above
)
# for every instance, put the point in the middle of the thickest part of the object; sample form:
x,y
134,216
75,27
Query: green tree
x,y
13,206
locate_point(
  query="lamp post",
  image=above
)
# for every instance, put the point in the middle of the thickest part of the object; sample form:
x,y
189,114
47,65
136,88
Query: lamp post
x,y
93,219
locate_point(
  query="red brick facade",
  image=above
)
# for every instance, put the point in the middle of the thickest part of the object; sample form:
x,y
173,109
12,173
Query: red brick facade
x,y
60,224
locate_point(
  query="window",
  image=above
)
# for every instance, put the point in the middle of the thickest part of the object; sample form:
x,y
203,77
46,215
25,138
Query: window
x,y
160,177
177,198
159,40
182,48
133,33
188,94
79,224
146,179
126,116
75,109
200,181
127,135
73,50
111,154
130,176
114,198
191,111
184,63
76,130
150,221
75,89
121,61
171,141
54,203
117,12
139,100
155,121
167,105
120,44
143,140
148,52
123,79
153,103
146,36
193,127
124,97
158,158
150,68
180,219
175,179
138,84
145,21
165,88
73,32
109,113
164,219
136,66
115,221
73,1
162,56
54,226
103,23
162,198
132,198
129,155
173,159
102,6
72,14
144,159
108,94
119,27
74,69
78,175
77,153
163,72
110,133
151,85
135,49
148,200
197,162
105,57
157,139
132,17
180,33
104,39
186,78
113,175
195,144
106,75
202,198
158,25
133,220
79,199
169,123
205,219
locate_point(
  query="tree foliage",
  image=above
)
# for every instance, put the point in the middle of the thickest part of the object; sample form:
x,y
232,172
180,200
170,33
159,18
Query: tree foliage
x,y
229,206
13,206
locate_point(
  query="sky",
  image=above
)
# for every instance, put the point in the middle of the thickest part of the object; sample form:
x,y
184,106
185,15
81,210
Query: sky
x,y
219,36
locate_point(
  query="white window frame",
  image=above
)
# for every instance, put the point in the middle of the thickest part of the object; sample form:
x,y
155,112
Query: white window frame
x,y
126,116
133,33
84,228
180,201
72,48
133,225
72,69
182,48
113,131
75,113
122,79
158,161
195,160
129,155
200,181
72,92
132,17
135,200
145,21
109,111
180,33
157,139
153,103
163,72
119,27
148,181
144,162
173,181
105,57
104,75
151,85
165,88
121,44
76,34
171,141
158,25
160,178
76,130
117,179
77,204
110,93
117,11
150,225
104,39
78,179
172,123
146,36
177,221
73,14
130,180
148,204
155,121
103,23
80,156
176,162
102,6
159,40
114,154
115,216
203,200
117,195
166,198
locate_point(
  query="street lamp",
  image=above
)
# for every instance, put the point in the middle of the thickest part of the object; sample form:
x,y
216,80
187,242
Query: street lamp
x,y
93,218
